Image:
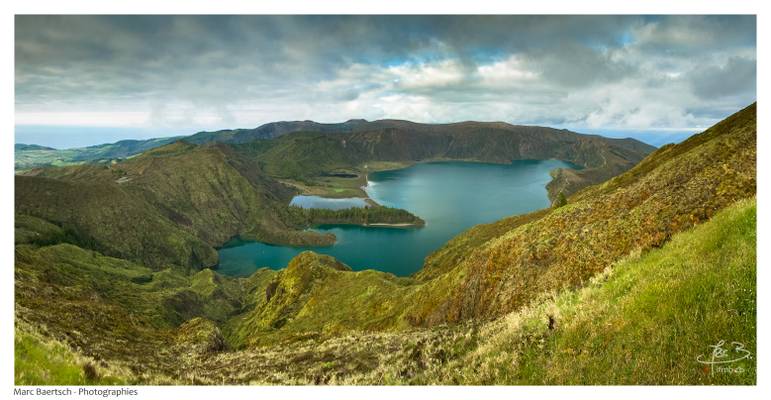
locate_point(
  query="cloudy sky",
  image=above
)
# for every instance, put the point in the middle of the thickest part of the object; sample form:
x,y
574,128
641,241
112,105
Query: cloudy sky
x,y
91,79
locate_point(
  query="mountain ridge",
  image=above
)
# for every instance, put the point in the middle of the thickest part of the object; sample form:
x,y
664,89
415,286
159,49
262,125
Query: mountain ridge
x,y
494,305
28,157
202,195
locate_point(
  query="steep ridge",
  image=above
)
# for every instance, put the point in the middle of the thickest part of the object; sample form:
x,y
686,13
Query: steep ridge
x,y
175,203
171,205
497,268
695,290
318,322
317,296
673,189
271,130
34,156
303,155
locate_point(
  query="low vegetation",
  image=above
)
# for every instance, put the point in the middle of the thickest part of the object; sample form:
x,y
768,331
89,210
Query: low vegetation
x,y
32,156
628,282
672,190
306,157
644,320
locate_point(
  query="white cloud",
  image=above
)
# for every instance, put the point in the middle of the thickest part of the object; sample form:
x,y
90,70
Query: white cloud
x,y
83,118
207,73
508,72
428,75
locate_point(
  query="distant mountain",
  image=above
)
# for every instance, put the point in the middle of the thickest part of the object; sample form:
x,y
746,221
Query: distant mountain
x,y
108,285
143,208
237,189
32,156
25,147
303,155
272,130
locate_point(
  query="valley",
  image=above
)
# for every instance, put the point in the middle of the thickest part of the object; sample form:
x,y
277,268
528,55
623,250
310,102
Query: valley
x,y
449,197
116,261
238,191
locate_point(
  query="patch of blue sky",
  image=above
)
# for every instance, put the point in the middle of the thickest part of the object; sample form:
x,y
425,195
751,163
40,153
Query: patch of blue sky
x,y
68,136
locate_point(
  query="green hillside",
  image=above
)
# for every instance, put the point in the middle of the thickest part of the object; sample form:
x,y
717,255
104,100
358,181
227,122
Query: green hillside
x,y
628,282
494,269
173,205
176,203
34,156
306,156
314,149
644,320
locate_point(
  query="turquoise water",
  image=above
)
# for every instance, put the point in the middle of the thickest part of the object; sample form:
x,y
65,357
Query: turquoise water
x,y
323,202
450,196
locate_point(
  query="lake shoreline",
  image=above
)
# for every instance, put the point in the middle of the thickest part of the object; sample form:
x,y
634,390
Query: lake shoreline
x,y
449,198
363,171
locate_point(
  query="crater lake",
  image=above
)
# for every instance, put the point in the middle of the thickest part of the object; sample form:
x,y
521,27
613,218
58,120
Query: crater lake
x,y
450,196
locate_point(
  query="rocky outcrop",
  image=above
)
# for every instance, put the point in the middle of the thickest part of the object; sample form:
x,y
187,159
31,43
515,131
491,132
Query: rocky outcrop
x,y
200,336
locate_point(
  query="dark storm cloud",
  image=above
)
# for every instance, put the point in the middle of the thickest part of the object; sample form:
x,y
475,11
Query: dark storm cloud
x,y
215,70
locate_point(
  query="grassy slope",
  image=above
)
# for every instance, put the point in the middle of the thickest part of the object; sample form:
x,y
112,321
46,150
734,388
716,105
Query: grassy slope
x,y
644,320
497,268
672,190
40,360
328,313
171,205
27,157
